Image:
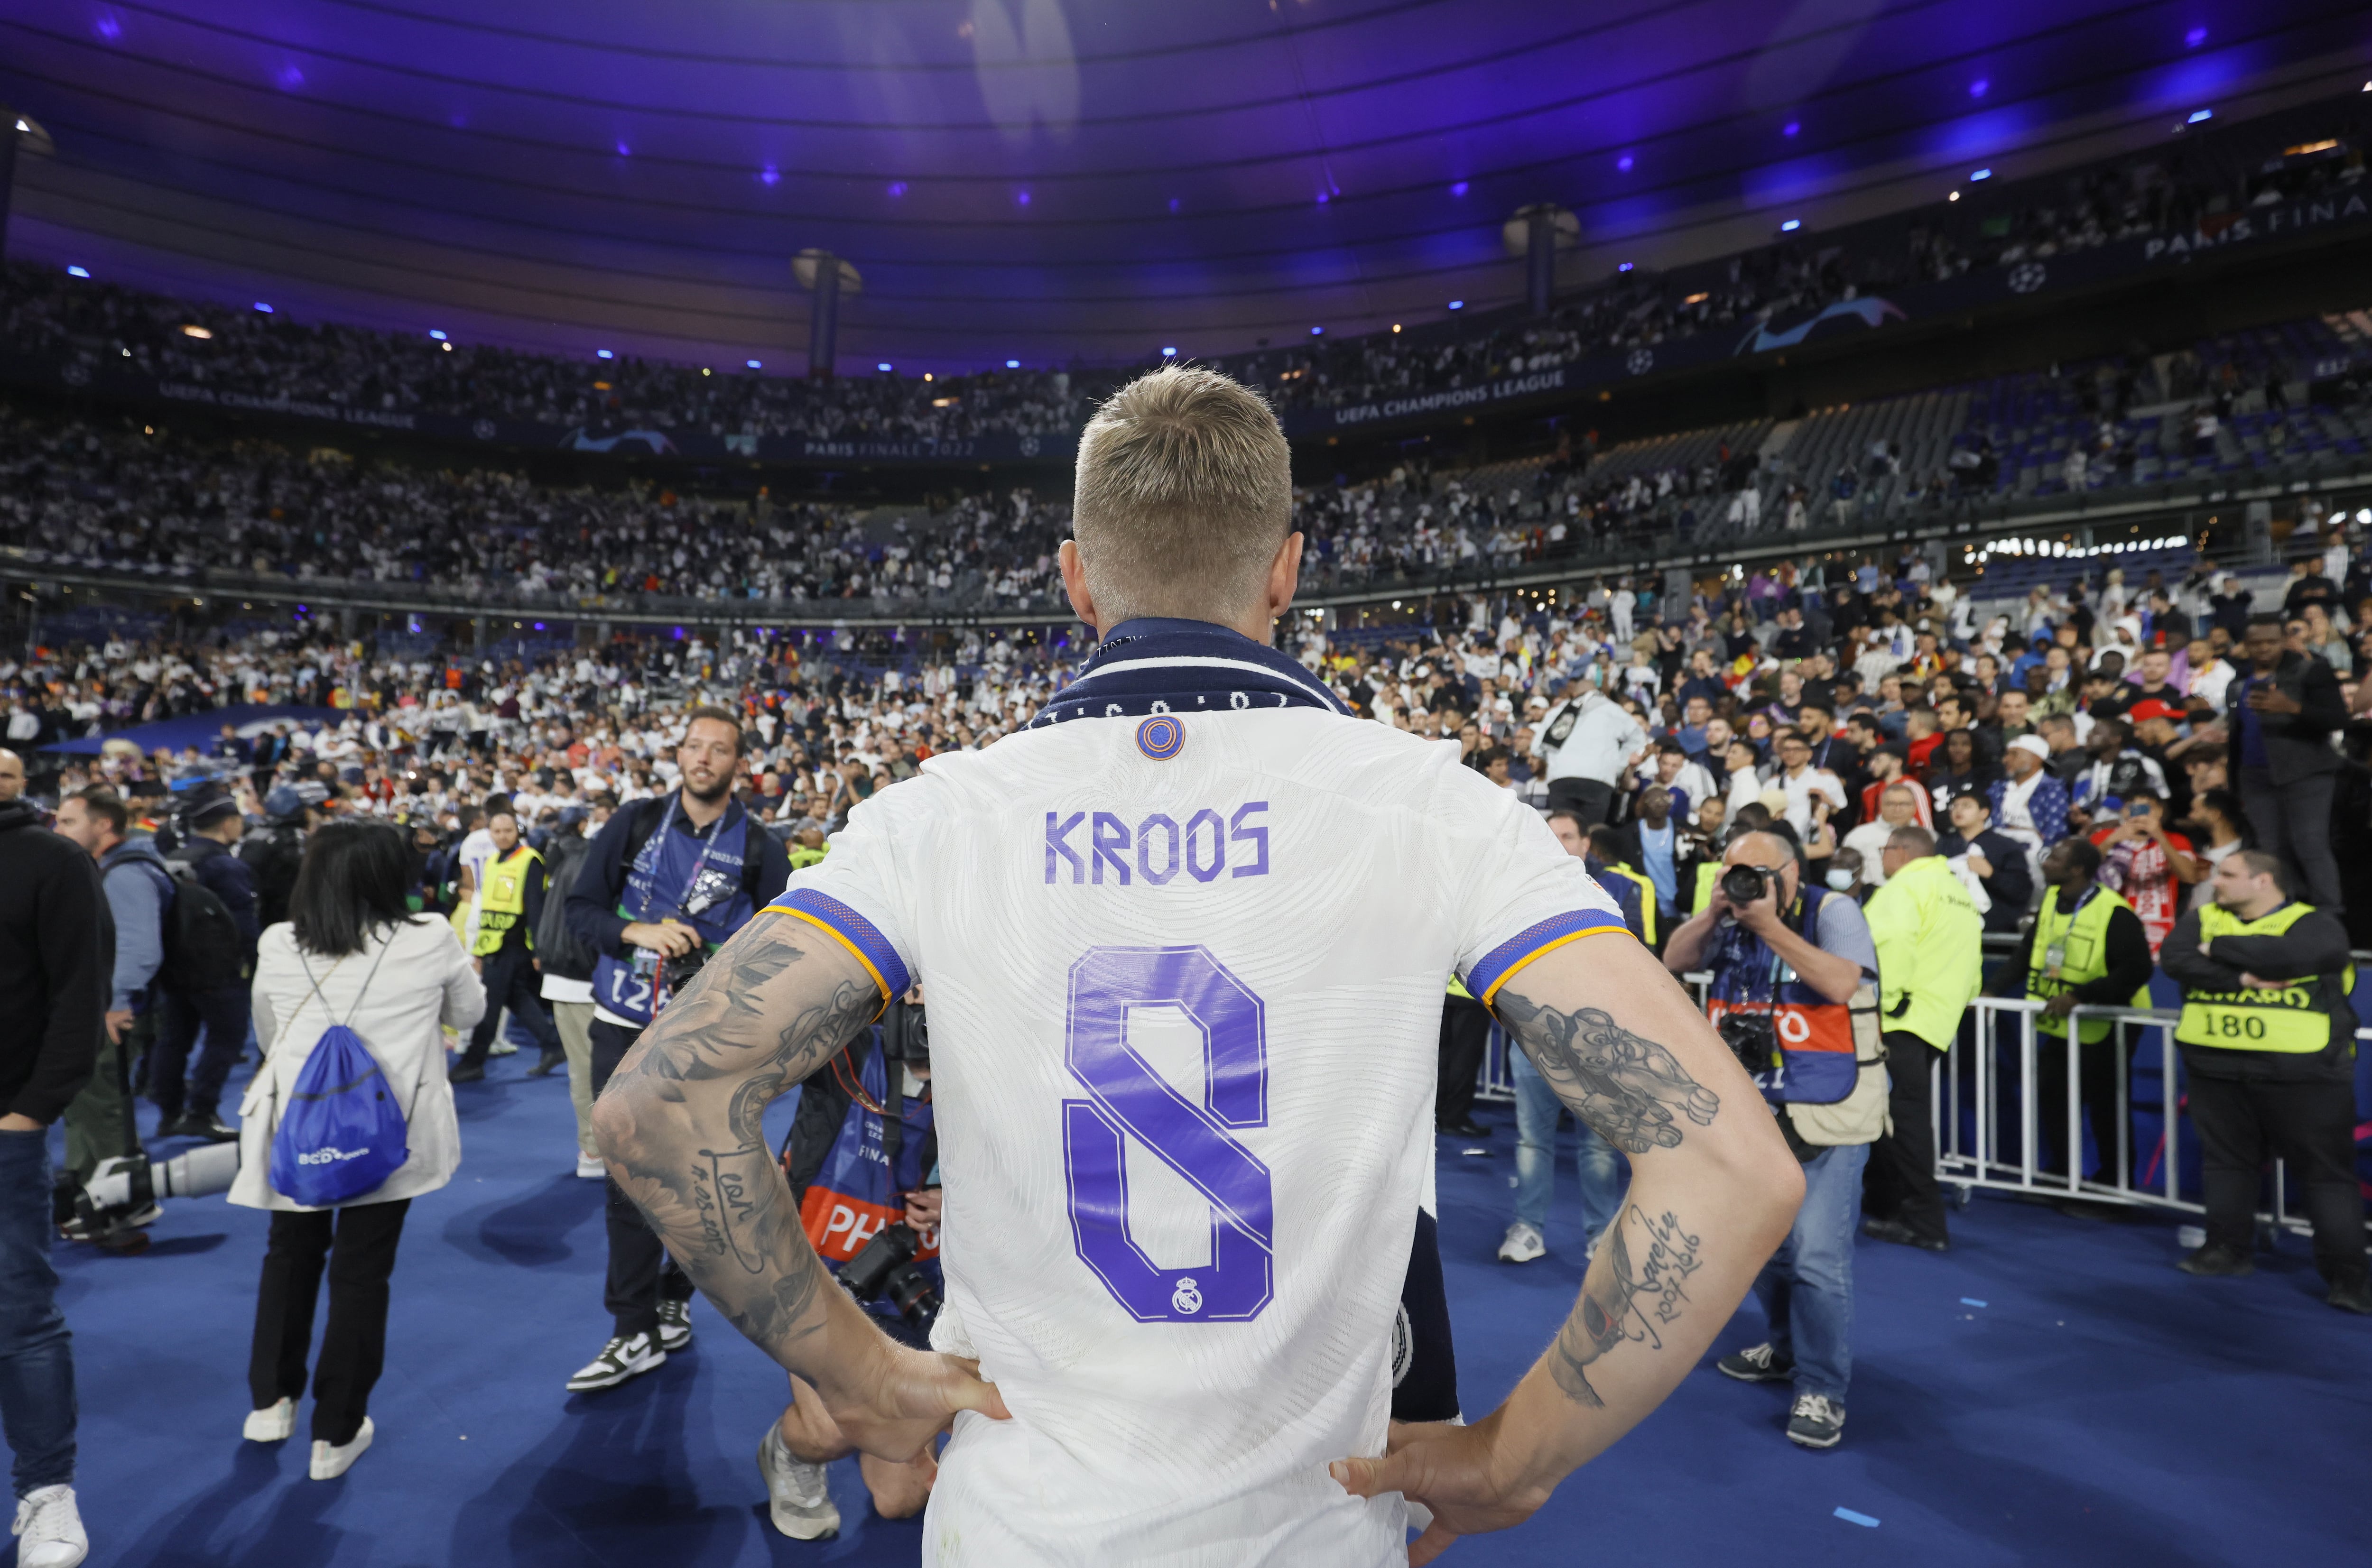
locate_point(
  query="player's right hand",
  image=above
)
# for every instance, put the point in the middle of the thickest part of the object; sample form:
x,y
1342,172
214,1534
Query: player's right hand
x,y
896,1412
1454,1471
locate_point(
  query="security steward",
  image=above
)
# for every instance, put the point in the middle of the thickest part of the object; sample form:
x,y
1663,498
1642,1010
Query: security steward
x,y
2269,1046
2087,948
1930,943
510,906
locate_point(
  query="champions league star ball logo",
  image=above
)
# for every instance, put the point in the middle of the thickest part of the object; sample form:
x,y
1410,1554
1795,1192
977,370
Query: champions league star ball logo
x,y
1641,361
484,430
1187,1299
2027,276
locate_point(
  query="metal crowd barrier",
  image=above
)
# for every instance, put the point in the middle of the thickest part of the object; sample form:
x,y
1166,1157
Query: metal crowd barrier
x,y
1987,1112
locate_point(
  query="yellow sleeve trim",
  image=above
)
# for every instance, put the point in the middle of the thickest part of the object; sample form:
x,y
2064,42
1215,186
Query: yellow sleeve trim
x,y
854,952
1546,948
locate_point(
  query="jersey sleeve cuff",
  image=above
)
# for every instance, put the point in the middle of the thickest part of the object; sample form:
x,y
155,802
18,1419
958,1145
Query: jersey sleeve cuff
x,y
854,931
1491,970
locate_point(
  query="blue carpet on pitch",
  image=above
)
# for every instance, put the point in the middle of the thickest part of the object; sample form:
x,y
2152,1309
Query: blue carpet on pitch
x,y
2051,1391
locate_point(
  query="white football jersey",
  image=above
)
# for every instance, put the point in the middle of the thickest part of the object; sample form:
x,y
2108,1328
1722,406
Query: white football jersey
x,y
1184,942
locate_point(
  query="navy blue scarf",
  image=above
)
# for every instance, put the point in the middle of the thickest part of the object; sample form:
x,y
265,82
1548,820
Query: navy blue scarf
x,y
1157,666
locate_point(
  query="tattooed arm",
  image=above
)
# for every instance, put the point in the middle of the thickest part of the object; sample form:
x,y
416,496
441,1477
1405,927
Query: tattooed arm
x,y
1712,1191
680,1127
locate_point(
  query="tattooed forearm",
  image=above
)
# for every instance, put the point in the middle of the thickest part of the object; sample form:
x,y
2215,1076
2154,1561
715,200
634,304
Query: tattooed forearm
x,y
1626,1295
1627,1087
681,1121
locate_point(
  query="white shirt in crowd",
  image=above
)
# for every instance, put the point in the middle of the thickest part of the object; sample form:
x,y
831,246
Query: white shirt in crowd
x,y
409,984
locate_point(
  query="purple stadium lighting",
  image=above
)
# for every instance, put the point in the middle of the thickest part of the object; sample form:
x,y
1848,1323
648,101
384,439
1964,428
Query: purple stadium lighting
x,y
77,272
2199,115
1622,164
1458,305
1458,189
1316,331
1173,203
1621,266
1791,127
1022,197
266,309
897,188
438,334
603,353
291,79
107,27
1979,87
1013,365
625,151
883,367
2194,38
1791,226
1976,175
1168,353
754,365
769,175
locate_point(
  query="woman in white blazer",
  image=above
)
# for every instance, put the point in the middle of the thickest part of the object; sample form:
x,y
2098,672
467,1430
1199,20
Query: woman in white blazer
x,y
350,953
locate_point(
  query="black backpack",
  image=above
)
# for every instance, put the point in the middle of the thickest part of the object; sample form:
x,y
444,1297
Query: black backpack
x,y
204,948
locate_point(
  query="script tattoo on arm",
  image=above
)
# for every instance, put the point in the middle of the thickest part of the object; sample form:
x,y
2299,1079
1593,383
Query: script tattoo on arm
x,y
1630,1091
1625,1296
681,1121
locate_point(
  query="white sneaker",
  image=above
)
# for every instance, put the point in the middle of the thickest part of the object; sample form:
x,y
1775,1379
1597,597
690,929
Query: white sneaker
x,y
1523,1244
273,1424
48,1529
621,1358
798,1495
590,1168
331,1461
502,1048
675,1325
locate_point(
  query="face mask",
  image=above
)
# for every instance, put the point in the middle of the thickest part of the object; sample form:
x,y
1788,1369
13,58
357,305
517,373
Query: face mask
x,y
1840,880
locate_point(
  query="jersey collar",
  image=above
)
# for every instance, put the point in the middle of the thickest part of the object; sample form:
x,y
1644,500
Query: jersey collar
x,y
1158,665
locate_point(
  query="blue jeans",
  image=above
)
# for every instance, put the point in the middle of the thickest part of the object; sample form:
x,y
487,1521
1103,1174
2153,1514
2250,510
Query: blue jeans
x,y
1536,1126
1806,1288
37,1391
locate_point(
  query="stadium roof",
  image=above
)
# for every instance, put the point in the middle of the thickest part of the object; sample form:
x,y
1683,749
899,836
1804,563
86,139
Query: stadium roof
x,y
1045,179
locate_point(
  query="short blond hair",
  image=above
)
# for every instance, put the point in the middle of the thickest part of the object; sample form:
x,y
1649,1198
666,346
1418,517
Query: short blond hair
x,y
1184,493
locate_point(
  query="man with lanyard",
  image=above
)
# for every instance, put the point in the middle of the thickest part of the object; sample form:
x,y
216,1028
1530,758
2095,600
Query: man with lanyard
x,y
2268,1044
1586,744
2087,948
1794,987
1653,844
511,893
667,881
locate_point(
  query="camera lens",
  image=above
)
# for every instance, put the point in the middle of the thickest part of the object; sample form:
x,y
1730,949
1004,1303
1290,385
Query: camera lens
x,y
1744,884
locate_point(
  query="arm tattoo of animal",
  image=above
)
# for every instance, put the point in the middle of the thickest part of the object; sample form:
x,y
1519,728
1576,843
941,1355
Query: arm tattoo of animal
x,y
691,1154
1627,1296
1632,1092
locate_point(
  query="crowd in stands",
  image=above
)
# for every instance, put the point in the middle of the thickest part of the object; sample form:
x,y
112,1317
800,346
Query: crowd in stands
x,y
272,355
117,496
2160,195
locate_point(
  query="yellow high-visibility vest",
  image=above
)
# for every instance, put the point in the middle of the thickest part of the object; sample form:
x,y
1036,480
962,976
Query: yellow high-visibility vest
x,y
2290,1019
2071,948
501,903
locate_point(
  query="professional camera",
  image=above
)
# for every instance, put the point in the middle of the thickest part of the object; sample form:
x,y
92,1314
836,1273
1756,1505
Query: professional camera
x,y
1752,1038
885,1270
1744,884
906,1035
122,1194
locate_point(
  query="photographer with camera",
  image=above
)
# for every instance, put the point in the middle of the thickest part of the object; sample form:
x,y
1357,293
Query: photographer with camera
x,y
862,1160
668,879
1794,994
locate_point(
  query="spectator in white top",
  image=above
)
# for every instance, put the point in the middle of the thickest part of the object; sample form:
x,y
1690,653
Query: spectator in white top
x,y
350,953
1812,793
1586,746
1898,806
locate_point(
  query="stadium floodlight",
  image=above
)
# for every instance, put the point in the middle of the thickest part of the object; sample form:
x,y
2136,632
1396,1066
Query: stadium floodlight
x,y
1173,353
263,308
1791,226
1622,164
1976,175
2199,115
603,353
437,333
77,272
1621,266
1316,331
1458,189
754,365
2365,516
1458,305
1013,365
883,367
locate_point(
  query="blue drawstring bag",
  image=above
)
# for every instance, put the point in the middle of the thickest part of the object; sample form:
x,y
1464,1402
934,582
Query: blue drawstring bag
x,y
341,1135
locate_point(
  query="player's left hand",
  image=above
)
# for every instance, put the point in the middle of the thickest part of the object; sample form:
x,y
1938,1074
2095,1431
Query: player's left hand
x,y
1453,1472
909,1400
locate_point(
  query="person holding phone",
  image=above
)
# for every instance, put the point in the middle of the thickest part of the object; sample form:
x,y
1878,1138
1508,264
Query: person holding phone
x,y
2147,862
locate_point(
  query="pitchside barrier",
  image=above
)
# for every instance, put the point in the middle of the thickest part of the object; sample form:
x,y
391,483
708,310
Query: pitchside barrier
x,y
1987,1107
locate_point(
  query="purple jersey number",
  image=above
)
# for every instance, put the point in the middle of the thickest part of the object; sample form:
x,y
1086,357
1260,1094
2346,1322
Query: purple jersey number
x,y
1130,1100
